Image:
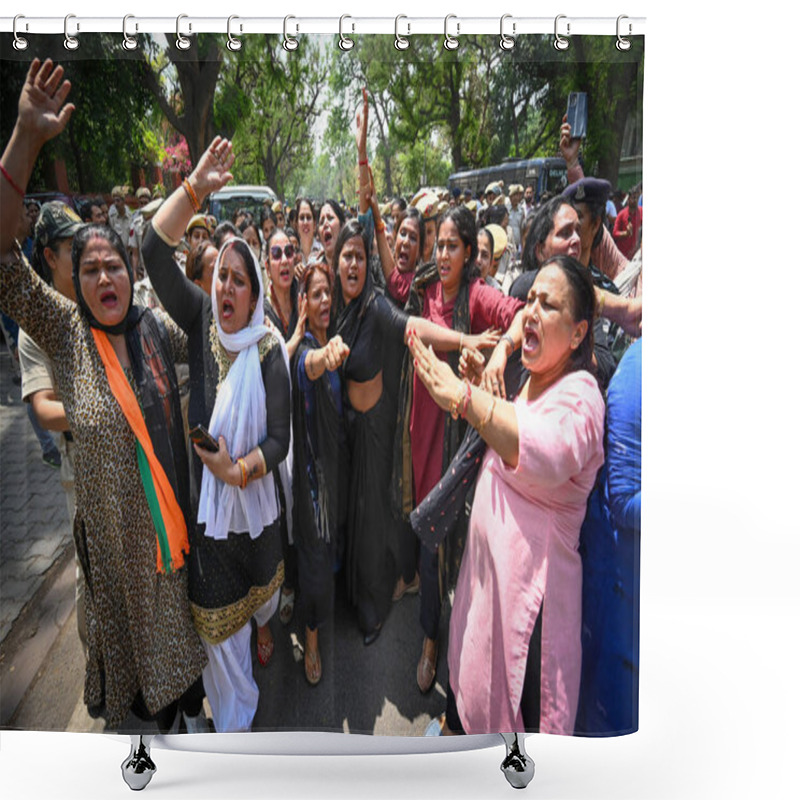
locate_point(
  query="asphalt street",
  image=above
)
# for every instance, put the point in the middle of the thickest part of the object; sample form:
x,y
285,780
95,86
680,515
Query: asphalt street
x,y
363,690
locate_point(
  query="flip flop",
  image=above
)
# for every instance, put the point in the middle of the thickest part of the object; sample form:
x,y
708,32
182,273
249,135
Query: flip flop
x,y
313,666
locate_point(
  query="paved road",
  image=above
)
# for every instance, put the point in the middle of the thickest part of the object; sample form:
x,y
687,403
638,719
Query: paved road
x,y
363,690
34,530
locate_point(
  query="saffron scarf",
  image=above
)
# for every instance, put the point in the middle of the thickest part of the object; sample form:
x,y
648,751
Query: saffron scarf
x,y
168,518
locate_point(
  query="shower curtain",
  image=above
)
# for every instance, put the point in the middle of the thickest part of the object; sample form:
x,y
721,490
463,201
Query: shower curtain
x,y
476,125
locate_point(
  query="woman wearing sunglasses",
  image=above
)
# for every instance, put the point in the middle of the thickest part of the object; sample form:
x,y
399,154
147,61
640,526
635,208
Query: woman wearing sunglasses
x,y
288,314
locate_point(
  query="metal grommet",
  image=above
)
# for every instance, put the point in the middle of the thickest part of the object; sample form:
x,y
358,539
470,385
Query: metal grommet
x,y
181,42
20,42
345,43
400,42
289,42
507,42
622,43
559,42
234,44
129,42
450,42
70,42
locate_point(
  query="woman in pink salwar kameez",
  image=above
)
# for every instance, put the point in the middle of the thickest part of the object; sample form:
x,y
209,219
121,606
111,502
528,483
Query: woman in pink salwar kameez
x,y
521,564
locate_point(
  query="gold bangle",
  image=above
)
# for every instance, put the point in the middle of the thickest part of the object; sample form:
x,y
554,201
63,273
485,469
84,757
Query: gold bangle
x,y
601,304
243,469
455,403
262,459
488,417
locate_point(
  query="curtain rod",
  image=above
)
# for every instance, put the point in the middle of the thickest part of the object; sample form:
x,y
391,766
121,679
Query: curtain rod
x,y
450,26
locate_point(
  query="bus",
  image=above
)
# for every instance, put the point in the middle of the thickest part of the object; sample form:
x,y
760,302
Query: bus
x,y
545,174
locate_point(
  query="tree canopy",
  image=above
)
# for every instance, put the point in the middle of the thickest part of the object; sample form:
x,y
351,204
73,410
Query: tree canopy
x,y
290,115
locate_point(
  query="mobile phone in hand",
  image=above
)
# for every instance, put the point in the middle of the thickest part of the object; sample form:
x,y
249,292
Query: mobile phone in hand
x,y
202,438
577,114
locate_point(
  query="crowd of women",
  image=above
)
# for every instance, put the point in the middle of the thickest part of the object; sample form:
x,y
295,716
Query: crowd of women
x,y
346,411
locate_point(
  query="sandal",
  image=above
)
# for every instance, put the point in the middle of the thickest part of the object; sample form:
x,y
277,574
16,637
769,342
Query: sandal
x,y
286,606
426,668
313,660
265,650
402,588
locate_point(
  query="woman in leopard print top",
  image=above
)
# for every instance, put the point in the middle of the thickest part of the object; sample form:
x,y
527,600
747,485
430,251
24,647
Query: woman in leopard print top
x,y
143,652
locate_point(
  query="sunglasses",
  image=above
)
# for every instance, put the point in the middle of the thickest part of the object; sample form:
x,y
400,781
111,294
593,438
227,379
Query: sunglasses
x,y
276,251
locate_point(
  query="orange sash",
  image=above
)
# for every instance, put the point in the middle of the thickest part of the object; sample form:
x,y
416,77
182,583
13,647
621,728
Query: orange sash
x,y
170,510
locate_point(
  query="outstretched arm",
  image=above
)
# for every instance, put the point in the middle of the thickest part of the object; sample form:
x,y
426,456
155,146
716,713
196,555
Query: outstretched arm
x,y
41,116
361,145
211,173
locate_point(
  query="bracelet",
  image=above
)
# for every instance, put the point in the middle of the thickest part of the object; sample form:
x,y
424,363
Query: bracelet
x,y
363,163
487,418
507,338
190,193
461,343
456,402
380,226
11,181
262,459
243,468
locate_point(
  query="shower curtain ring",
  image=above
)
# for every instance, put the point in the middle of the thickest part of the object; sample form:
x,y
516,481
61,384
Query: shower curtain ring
x,y
233,43
345,42
181,42
560,43
20,42
400,42
129,42
623,43
451,42
507,42
289,42
70,42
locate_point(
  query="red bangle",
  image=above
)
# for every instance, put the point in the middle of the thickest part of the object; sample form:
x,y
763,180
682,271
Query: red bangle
x,y
363,163
11,181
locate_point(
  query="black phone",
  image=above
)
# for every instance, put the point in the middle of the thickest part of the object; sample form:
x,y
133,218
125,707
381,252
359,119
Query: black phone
x,y
577,114
202,438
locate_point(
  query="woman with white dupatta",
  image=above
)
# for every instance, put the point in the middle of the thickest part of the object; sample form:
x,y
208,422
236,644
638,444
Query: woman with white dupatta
x,y
240,391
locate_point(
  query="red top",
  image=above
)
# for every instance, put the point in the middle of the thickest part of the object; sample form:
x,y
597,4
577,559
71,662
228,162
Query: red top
x,y
627,244
488,308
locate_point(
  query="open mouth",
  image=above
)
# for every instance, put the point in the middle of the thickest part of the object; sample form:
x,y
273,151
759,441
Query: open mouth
x,y
226,309
327,237
530,341
108,299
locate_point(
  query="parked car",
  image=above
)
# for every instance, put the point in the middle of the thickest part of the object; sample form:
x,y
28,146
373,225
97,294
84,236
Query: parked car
x,y
222,205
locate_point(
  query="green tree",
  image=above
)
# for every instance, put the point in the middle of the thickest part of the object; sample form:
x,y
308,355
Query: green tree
x,y
183,83
530,89
106,137
275,99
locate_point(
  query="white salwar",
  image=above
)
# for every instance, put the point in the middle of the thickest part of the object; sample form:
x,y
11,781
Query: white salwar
x,y
240,416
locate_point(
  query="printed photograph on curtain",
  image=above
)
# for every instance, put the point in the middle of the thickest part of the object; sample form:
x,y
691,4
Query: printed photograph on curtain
x,y
321,385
